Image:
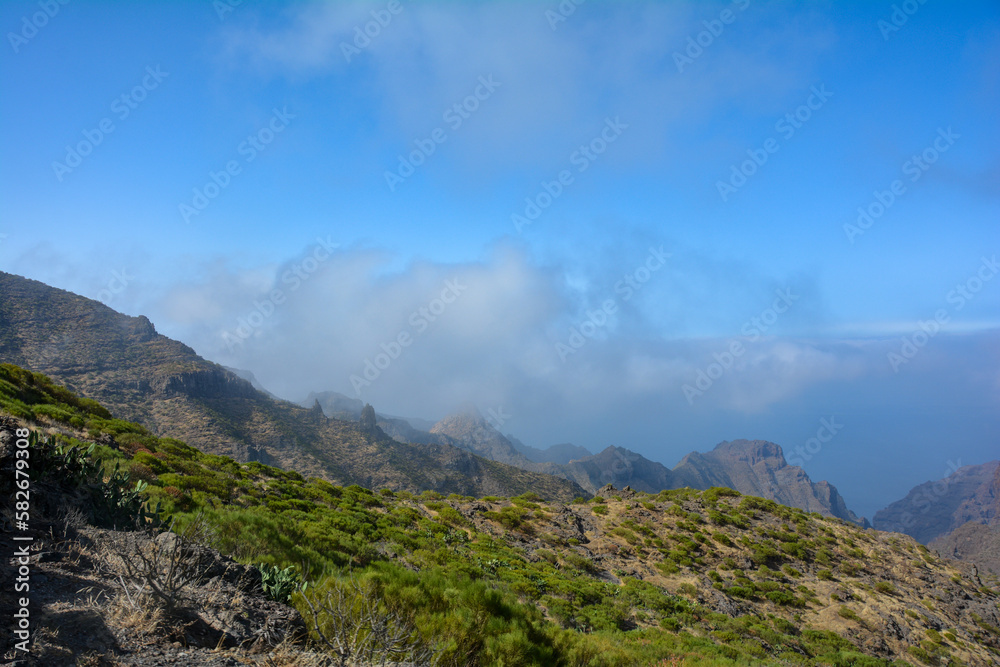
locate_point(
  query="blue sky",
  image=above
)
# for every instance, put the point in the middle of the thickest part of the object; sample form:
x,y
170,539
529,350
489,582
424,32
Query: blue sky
x,y
642,127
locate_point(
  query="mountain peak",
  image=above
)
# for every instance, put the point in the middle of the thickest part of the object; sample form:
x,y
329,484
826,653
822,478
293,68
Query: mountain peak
x,y
144,376
933,509
759,468
754,451
468,429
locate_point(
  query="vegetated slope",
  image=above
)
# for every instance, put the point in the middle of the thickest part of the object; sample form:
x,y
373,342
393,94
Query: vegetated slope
x,y
933,509
626,578
759,468
143,376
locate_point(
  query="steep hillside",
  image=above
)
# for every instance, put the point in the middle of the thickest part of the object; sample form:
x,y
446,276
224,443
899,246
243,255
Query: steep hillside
x,y
972,542
145,377
759,468
934,509
958,516
469,430
626,579
614,465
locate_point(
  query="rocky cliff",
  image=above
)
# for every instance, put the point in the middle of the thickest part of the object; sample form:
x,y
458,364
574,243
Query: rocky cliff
x,y
933,509
759,468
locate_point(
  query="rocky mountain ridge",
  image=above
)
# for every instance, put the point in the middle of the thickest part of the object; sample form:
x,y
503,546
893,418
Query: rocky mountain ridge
x,y
626,578
958,516
145,377
934,509
754,467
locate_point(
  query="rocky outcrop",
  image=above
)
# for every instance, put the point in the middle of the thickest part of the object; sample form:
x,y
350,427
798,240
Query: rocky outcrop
x,y
469,430
759,468
934,509
957,516
367,420
335,405
214,382
973,542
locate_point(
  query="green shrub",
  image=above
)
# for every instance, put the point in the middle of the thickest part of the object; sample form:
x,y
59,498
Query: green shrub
x,y
713,494
885,587
668,567
848,613
784,598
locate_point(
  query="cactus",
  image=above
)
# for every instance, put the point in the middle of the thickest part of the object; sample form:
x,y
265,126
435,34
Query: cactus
x,y
114,501
280,584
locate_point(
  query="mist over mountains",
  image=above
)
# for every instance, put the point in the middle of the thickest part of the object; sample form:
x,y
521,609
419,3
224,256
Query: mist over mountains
x,y
162,383
601,333
752,467
166,386
142,375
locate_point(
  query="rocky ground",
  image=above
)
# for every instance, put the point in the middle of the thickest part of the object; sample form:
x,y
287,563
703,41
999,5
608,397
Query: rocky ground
x,y
86,610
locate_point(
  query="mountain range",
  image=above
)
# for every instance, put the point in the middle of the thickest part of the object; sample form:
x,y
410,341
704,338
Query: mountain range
x,y
163,384
753,467
626,578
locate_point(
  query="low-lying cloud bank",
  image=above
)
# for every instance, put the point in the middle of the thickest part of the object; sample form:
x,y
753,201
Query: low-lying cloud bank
x,y
652,347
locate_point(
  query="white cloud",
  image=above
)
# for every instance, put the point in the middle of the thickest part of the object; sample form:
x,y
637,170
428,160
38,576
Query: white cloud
x,y
481,331
556,86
